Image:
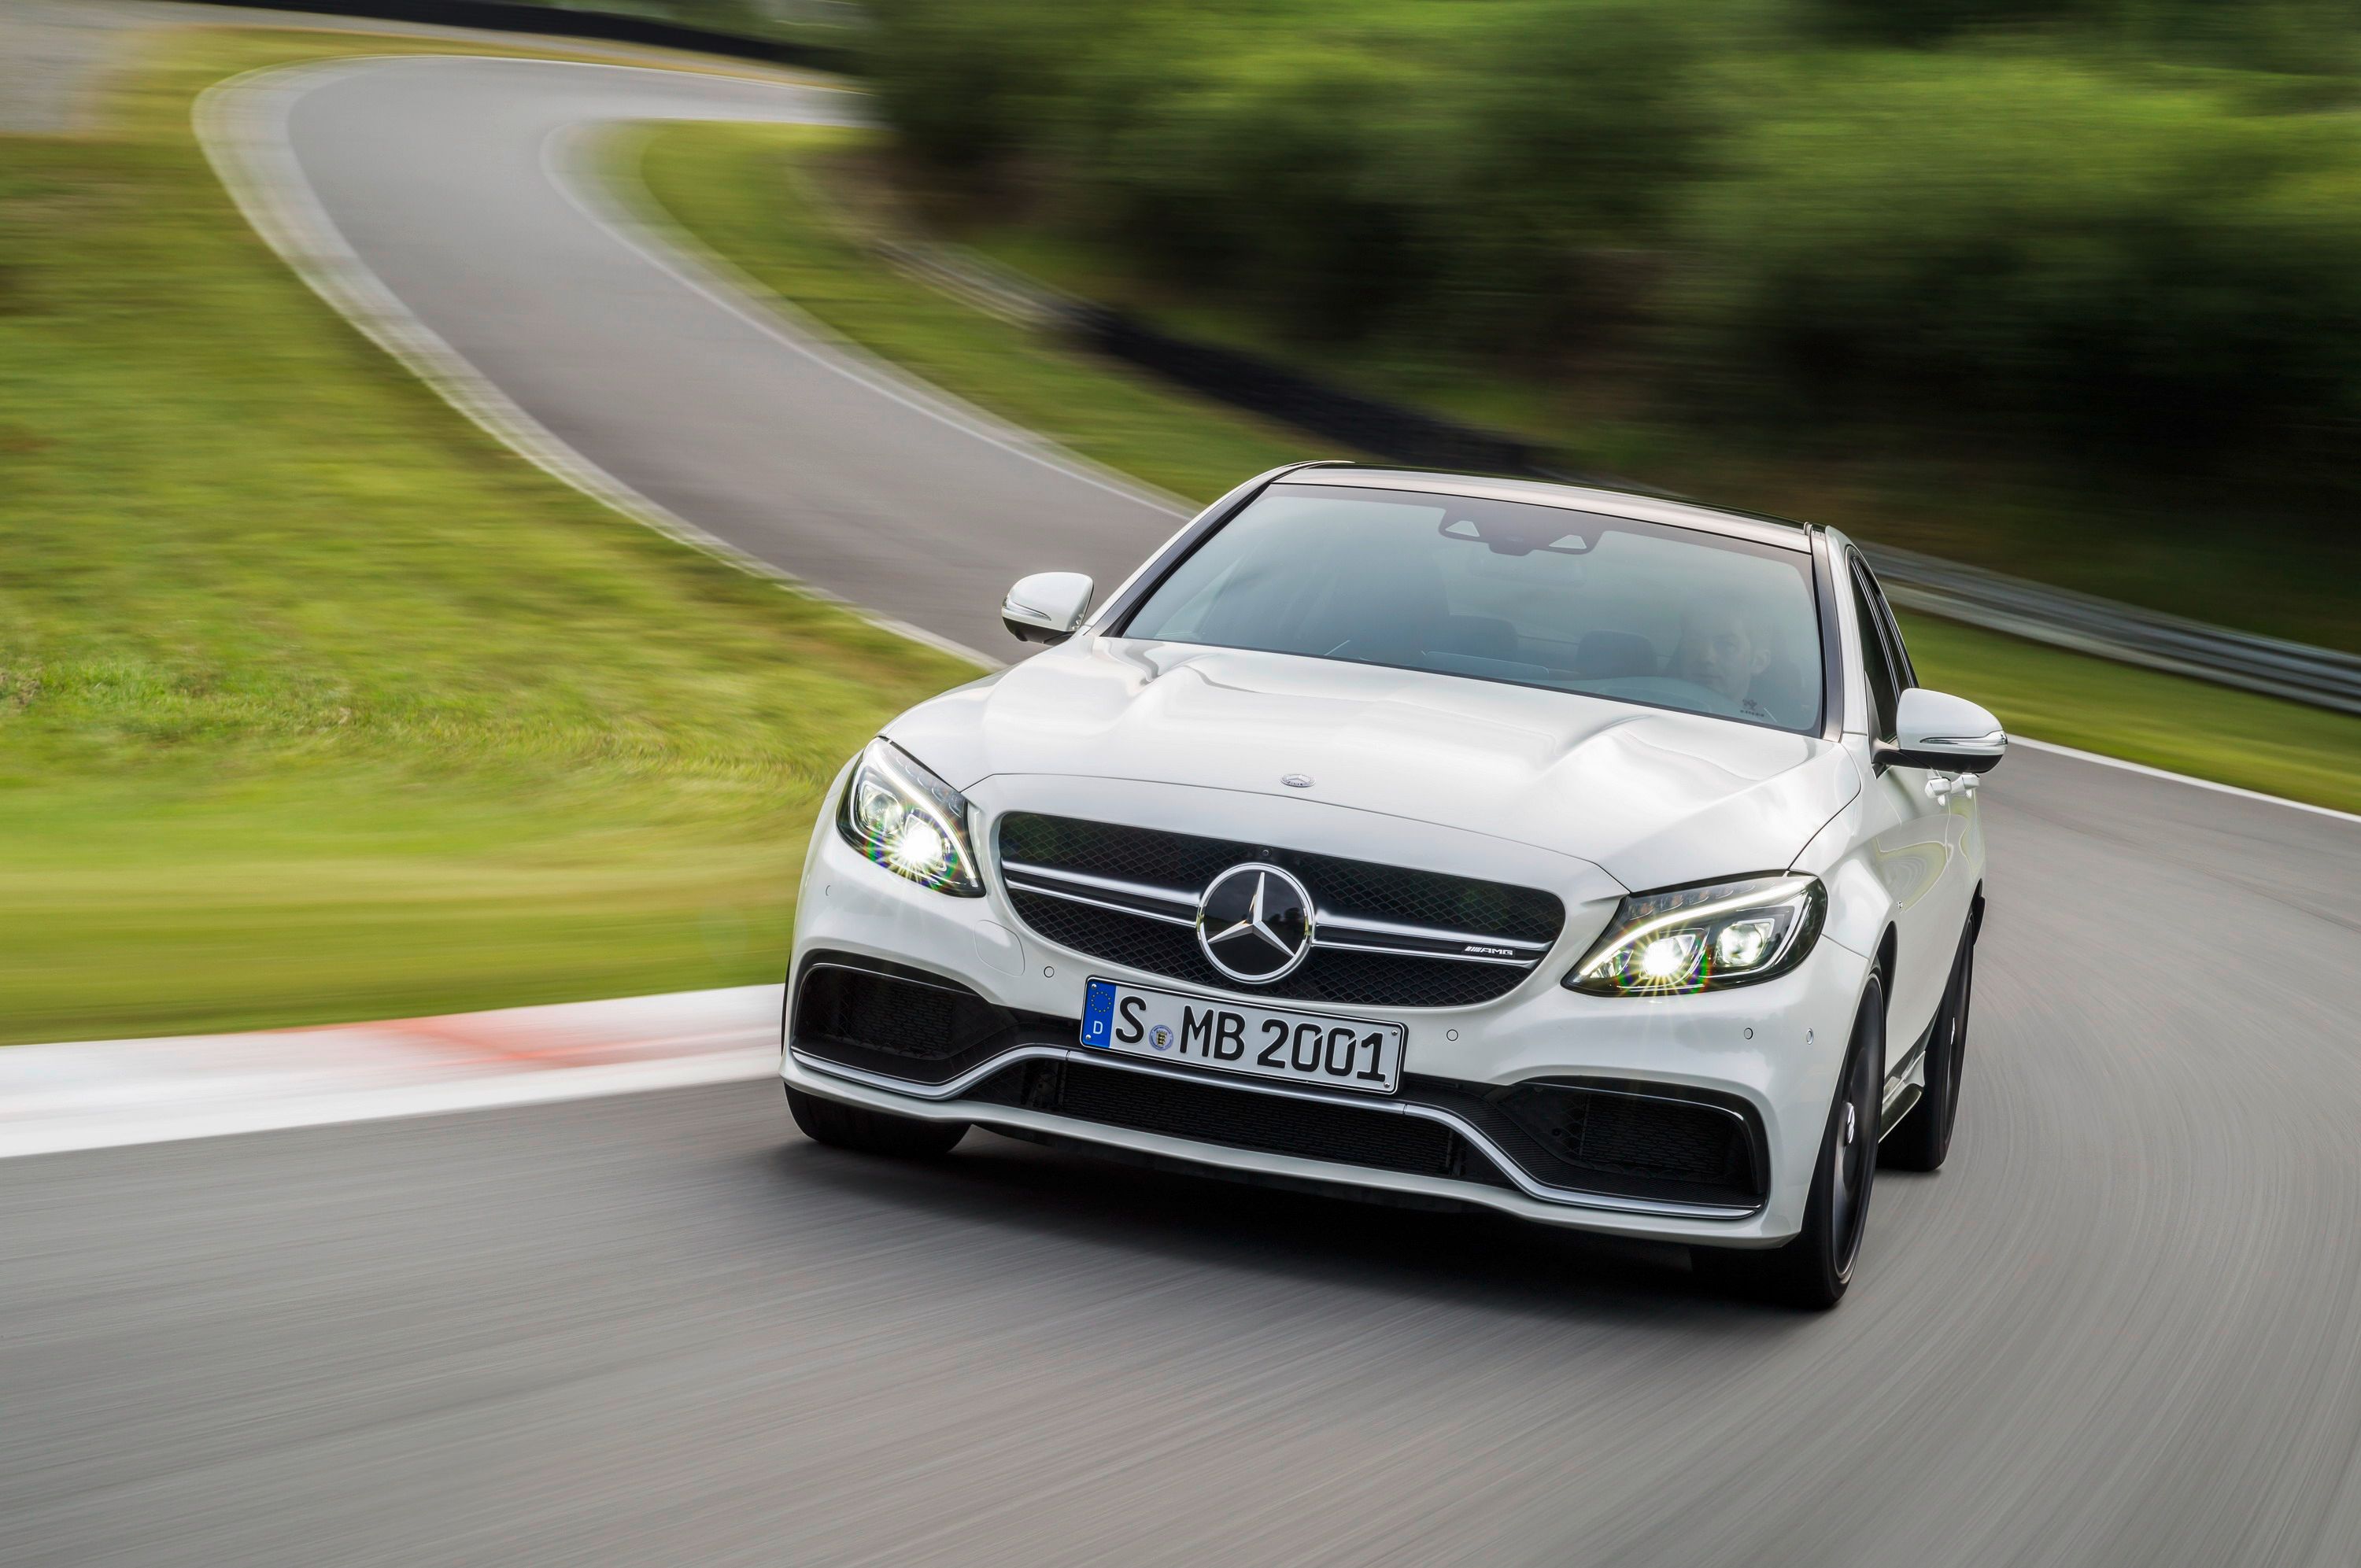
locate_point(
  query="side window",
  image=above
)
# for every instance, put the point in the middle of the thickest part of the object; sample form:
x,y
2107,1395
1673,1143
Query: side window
x,y
1884,691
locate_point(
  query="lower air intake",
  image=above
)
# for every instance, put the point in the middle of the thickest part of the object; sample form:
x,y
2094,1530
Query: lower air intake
x,y
927,1029
1215,1113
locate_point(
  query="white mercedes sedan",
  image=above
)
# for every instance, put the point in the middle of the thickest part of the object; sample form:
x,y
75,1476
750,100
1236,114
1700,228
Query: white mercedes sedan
x,y
1452,842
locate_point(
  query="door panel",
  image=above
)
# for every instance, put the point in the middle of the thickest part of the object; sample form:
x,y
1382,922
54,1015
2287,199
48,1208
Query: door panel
x,y
1913,840
1915,848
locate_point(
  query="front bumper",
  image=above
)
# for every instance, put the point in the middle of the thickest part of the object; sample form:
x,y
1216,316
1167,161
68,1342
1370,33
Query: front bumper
x,y
1775,1048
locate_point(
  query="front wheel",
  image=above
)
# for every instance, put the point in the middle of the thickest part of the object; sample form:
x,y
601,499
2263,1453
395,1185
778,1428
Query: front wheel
x,y
843,1127
1813,1270
1923,1139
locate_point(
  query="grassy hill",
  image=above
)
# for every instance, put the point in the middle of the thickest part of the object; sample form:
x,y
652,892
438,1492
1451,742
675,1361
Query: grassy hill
x,y
315,701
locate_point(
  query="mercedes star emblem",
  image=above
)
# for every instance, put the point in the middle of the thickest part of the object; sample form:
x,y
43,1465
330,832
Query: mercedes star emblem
x,y
1254,923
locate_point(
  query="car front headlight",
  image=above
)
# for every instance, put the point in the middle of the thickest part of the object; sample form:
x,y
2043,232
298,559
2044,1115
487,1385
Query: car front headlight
x,y
1704,938
908,820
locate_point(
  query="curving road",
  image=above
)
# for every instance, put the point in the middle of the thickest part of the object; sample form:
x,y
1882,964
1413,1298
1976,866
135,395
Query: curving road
x,y
2123,1327
467,190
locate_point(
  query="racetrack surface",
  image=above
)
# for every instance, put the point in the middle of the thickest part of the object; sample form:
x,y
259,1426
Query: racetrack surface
x,y
2122,1327
466,189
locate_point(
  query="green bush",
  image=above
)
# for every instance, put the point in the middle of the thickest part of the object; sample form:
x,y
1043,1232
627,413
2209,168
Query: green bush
x,y
1584,121
1286,187
2282,35
1929,21
965,85
2070,231
2037,245
747,18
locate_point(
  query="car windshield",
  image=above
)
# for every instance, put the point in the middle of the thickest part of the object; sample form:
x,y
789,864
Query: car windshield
x,y
1505,591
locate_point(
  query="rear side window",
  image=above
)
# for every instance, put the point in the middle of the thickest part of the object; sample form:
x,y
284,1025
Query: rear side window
x,y
1884,691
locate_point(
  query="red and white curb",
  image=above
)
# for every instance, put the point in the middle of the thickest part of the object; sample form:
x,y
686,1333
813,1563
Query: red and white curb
x,y
104,1093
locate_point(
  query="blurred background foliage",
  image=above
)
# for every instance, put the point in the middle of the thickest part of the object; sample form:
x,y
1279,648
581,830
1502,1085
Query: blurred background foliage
x,y
749,18
2122,237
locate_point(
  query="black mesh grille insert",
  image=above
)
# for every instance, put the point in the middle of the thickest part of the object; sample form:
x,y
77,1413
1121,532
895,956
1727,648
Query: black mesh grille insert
x,y
1686,1142
1641,1140
1629,1140
1341,887
928,1031
1328,975
1216,1113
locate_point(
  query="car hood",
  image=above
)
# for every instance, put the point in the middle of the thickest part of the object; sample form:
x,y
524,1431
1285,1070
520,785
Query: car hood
x,y
1654,798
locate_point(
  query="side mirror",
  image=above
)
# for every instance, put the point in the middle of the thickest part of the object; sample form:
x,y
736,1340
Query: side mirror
x,y
1047,607
1947,733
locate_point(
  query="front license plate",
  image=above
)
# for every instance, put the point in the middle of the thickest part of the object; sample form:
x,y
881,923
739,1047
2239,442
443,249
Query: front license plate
x,y
1300,1047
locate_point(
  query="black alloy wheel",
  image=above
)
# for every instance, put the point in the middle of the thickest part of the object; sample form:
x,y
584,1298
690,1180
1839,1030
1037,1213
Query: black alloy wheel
x,y
1923,1139
1813,1270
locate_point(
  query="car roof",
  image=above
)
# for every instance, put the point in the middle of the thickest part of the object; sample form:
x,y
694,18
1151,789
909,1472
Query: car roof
x,y
1775,532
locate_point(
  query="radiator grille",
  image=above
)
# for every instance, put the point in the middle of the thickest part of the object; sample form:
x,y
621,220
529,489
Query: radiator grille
x,y
1341,887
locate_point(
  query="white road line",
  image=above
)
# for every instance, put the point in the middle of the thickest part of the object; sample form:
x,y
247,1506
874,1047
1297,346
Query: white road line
x,y
673,251
2142,769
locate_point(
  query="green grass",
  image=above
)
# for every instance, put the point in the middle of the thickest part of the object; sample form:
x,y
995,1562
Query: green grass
x,y
315,701
751,193
743,191
1992,507
2117,710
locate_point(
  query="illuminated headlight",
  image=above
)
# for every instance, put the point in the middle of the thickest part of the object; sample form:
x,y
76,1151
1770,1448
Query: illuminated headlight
x,y
1701,939
910,821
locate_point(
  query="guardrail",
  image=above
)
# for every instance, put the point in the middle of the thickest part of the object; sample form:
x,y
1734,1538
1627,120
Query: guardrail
x,y
2061,617
2323,677
566,21
1242,380
1400,434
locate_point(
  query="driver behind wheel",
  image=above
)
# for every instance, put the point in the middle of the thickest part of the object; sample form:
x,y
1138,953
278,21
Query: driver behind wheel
x,y
1722,650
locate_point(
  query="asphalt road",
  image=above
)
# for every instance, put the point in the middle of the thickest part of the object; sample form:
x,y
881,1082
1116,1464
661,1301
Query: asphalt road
x,y
446,178
2122,1327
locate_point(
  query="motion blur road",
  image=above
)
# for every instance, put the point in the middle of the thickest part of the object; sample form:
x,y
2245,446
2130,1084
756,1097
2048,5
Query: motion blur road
x,y
464,187
2123,1327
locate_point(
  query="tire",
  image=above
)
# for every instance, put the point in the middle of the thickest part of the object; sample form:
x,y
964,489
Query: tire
x,y
838,1125
1923,1139
1813,1270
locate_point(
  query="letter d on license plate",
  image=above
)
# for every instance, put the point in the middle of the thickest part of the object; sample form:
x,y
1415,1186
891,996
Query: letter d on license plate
x,y
1297,1048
